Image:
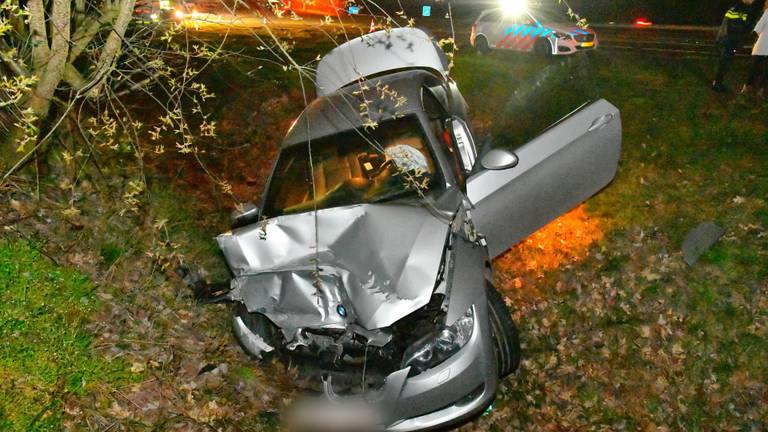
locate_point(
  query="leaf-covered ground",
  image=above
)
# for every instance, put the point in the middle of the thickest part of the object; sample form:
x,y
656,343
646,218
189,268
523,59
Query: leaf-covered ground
x,y
618,332
622,334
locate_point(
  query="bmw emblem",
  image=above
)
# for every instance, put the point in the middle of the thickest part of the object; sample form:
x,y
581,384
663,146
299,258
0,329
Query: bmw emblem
x,y
342,311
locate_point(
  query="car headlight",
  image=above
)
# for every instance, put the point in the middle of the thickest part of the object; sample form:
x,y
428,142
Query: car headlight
x,y
439,345
562,35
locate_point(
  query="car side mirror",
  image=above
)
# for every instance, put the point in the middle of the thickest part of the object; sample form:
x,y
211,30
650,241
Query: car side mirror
x,y
498,159
249,215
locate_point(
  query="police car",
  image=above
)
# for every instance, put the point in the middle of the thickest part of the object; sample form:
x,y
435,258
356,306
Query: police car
x,y
495,29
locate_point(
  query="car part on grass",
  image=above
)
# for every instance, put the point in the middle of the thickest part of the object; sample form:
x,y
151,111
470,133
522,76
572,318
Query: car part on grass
x,y
203,291
699,240
368,259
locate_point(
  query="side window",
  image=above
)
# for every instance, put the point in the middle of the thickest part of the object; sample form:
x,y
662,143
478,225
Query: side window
x,y
432,106
457,165
438,121
491,17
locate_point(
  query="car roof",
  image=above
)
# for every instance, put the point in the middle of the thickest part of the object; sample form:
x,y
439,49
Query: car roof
x,y
375,54
389,96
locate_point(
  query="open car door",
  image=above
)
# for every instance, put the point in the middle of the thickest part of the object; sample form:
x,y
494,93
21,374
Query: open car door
x,y
565,165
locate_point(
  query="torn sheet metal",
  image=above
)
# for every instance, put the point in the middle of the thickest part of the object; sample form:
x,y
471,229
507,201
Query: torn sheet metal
x,y
379,261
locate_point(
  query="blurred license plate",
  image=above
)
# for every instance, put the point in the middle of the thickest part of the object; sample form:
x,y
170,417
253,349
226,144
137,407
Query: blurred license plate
x,y
588,44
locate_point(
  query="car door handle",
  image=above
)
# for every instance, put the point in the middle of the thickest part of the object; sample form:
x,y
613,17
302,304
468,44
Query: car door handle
x,y
600,122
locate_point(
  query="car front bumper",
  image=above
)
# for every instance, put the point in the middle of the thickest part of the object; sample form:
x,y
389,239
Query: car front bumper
x,y
453,391
572,46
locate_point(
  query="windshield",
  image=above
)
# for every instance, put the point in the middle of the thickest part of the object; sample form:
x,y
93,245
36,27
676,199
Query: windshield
x,y
360,166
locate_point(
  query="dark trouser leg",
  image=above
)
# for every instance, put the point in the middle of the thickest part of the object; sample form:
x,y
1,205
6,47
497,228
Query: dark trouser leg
x,y
762,72
757,71
727,51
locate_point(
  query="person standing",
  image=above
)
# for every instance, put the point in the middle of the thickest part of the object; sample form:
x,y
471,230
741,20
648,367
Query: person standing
x,y
732,31
758,71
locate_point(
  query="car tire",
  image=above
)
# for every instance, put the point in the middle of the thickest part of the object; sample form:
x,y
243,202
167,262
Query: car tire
x,y
481,44
543,48
258,325
505,337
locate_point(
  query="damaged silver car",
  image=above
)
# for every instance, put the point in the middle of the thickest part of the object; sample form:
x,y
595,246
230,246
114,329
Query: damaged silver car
x,y
369,257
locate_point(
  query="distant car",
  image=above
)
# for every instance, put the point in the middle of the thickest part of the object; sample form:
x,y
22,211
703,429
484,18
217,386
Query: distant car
x,y
369,256
151,11
495,30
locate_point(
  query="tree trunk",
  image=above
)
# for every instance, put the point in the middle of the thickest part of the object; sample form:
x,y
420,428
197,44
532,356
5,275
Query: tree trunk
x,y
38,34
48,64
52,64
50,74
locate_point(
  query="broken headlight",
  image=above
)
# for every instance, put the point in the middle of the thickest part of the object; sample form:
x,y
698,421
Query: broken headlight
x,y
439,345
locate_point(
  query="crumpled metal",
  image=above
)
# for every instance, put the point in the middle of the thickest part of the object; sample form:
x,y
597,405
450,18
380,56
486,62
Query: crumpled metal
x,y
380,261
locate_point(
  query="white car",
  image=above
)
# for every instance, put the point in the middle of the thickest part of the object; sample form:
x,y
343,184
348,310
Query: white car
x,y
496,30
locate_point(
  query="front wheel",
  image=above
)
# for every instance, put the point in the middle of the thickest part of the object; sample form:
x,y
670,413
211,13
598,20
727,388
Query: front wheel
x,y
505,338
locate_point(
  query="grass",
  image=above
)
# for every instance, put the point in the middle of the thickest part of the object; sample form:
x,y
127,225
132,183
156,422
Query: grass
x,y
627,336
45,353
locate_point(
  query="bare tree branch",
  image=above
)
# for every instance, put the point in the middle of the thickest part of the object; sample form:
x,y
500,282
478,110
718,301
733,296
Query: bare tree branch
x,y
80,40
113,44
6,54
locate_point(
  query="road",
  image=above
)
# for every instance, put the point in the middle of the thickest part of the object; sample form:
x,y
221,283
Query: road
x,y
661,40
673,40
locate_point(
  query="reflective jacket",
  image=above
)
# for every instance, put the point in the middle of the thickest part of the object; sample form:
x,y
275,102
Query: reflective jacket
x,y
735,24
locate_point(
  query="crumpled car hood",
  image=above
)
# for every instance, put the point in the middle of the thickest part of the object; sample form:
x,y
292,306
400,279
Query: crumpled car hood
x,y
380,261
